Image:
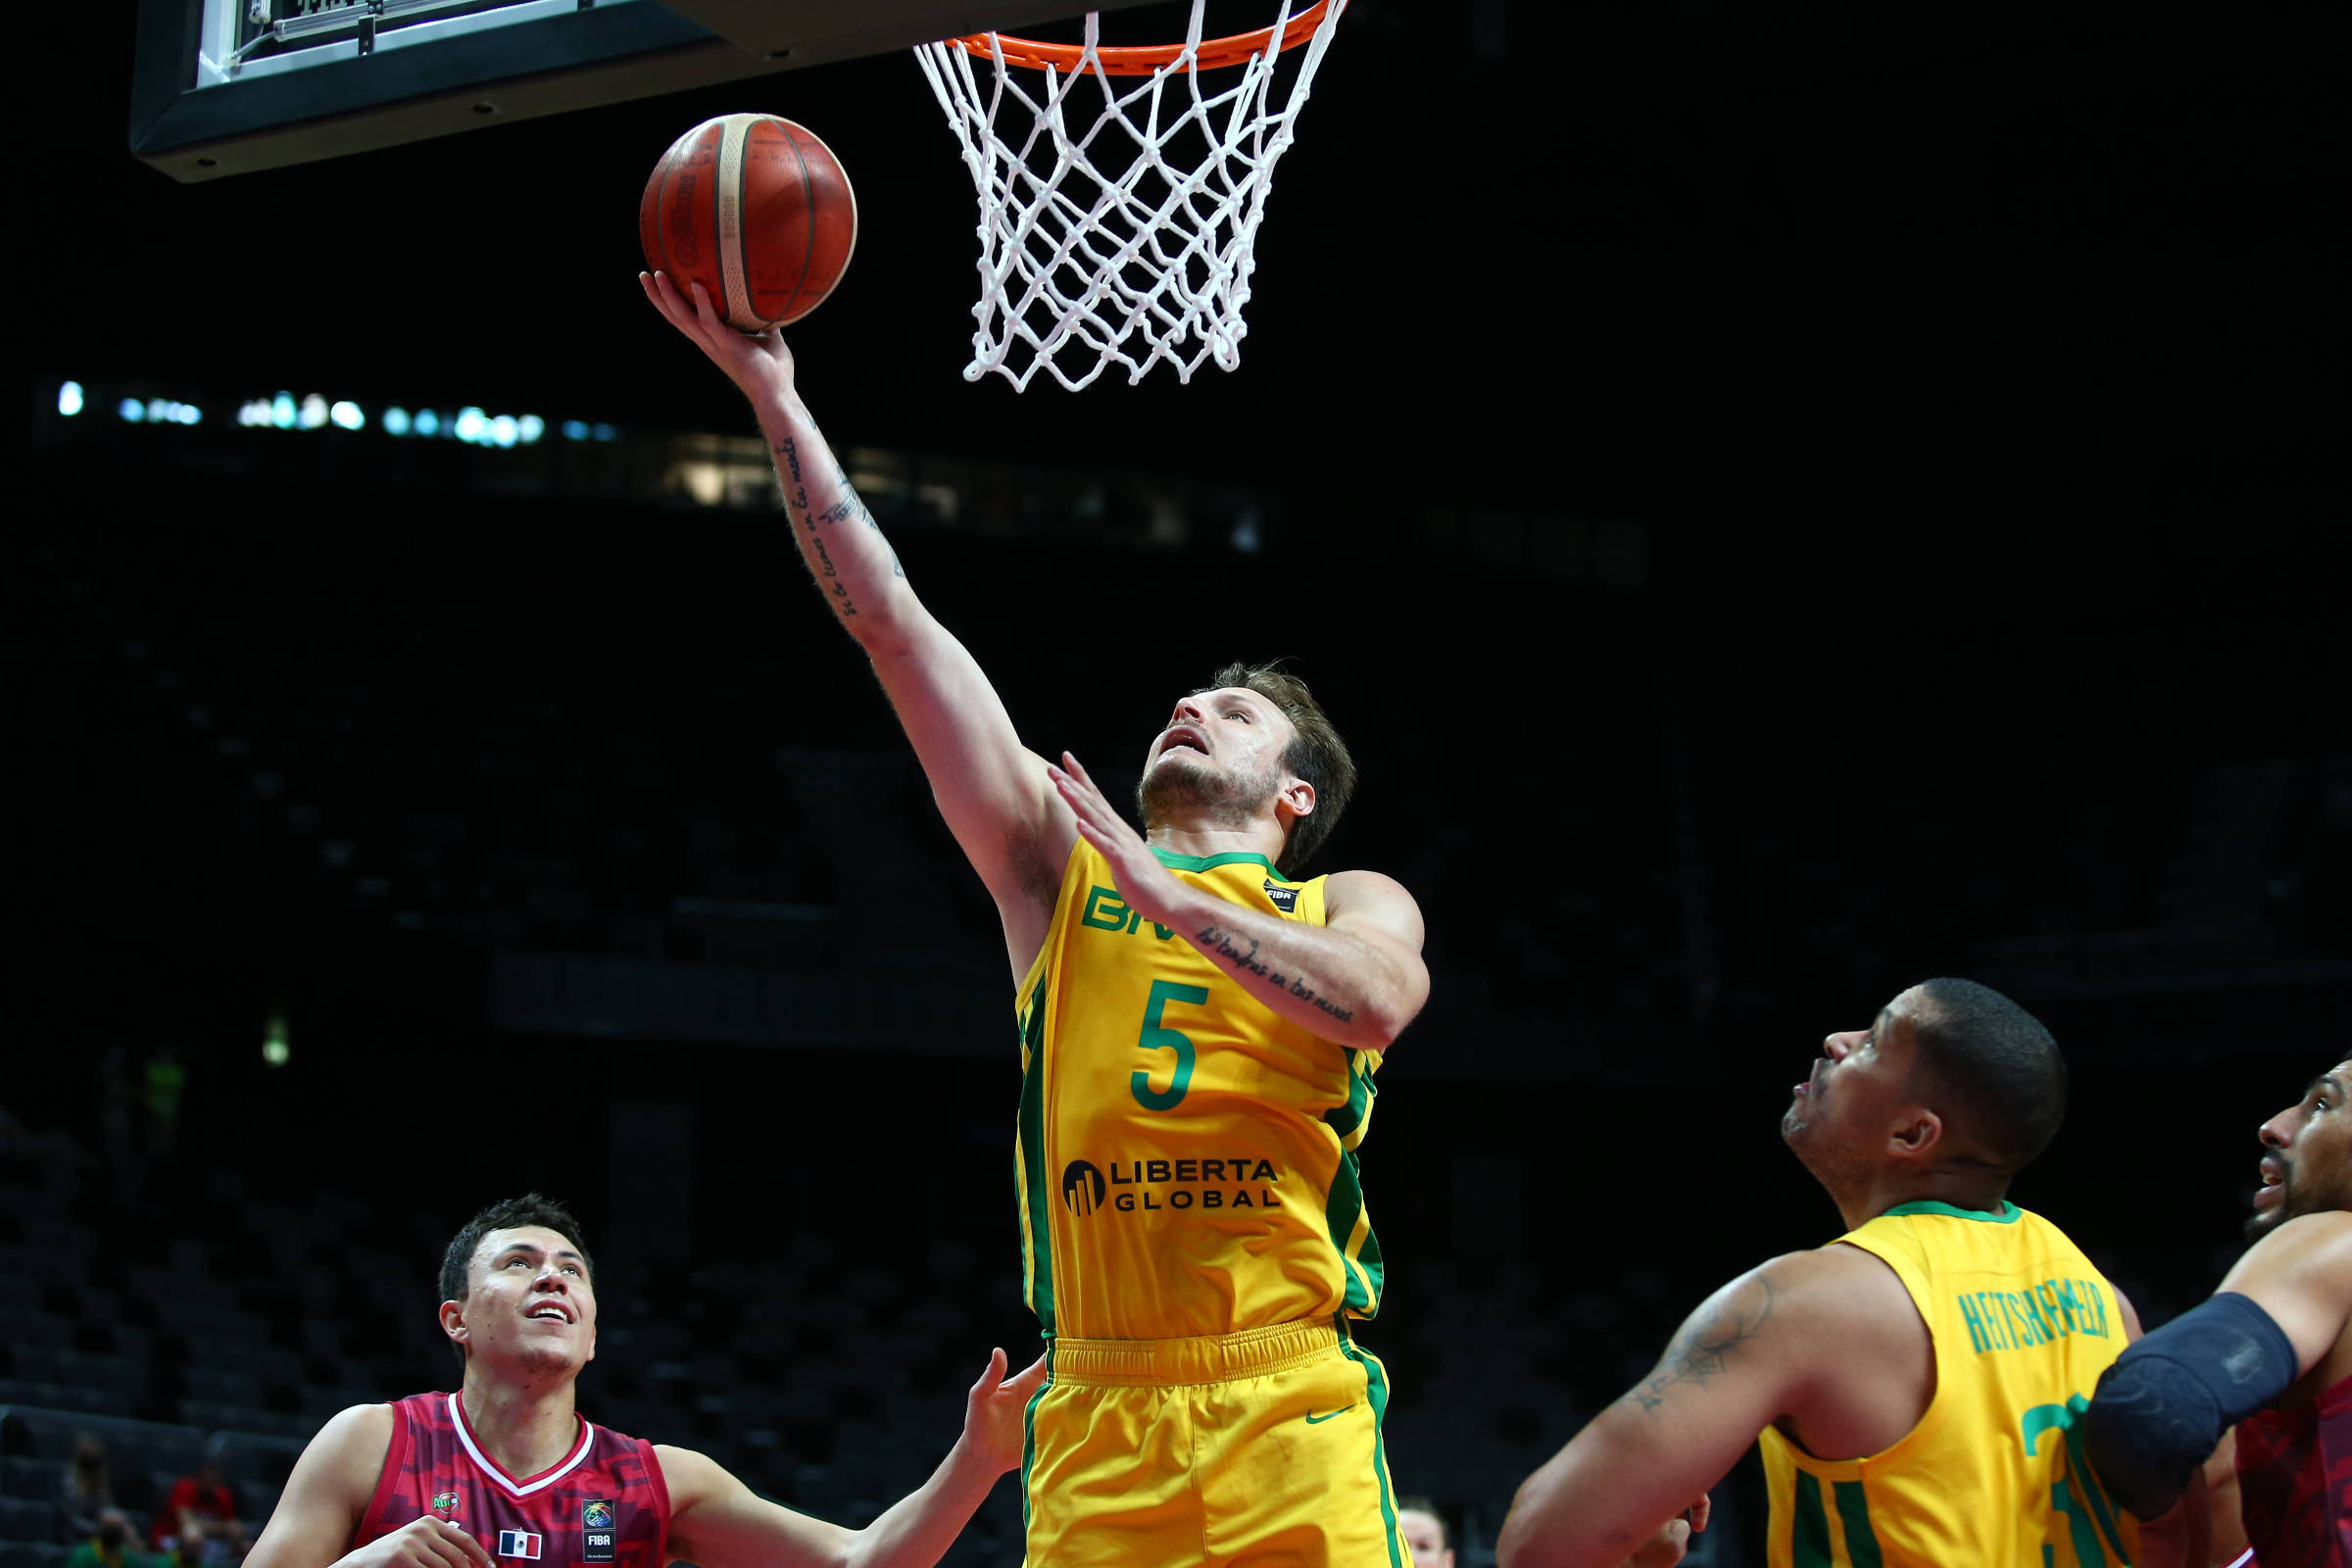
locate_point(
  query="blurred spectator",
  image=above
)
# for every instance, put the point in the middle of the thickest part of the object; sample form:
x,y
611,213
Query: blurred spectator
x,y
108,1545
1424,1530
167,1080
84,1491
198,1522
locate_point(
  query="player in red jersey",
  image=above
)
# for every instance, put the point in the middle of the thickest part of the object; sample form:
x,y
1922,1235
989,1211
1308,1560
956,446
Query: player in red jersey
x,y
2270,1352
506,1471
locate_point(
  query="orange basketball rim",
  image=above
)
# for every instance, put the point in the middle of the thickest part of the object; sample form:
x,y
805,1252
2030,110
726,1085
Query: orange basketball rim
x,y
1214,54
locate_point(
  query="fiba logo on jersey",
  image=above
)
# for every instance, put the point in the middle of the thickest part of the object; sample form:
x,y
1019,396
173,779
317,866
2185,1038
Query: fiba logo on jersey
x,y
1283,898
597,1532
1082,1188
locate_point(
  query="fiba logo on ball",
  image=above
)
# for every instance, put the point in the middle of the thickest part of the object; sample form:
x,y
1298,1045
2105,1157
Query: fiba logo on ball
x,y
1082,1188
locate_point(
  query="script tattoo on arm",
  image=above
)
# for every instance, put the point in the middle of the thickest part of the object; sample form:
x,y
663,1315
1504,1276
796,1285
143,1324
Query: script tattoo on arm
x,y
1219,943
1701,1351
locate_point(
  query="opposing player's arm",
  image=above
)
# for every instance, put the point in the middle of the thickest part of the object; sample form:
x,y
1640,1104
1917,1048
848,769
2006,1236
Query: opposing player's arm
x,y
1357,979
2301,1275
2159,1411
319,1510
1767,1346
991,789
2182,1536
718,1522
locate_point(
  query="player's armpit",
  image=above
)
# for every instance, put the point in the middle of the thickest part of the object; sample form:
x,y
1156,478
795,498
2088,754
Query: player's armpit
x,y
319,1510
715,1521
1730,1371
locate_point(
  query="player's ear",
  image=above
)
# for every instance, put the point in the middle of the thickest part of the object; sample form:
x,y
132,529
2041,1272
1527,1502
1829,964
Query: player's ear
x,y
1917,1134
1298,796
453,1322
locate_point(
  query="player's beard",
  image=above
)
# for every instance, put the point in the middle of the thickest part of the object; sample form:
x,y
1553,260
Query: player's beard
x,y
2320,1190
1188,795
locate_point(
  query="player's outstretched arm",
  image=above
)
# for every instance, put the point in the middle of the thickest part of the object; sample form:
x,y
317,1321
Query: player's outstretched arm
x,y
719,1522
319,1510
1774,1342
1357,979
991,789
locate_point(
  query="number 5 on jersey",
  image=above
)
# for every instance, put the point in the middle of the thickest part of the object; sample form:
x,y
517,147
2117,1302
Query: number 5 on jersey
x,y
1156,1036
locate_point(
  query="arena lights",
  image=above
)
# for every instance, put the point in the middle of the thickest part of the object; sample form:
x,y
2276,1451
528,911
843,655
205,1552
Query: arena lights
x,y
315,410
155,411
69,399
275,1048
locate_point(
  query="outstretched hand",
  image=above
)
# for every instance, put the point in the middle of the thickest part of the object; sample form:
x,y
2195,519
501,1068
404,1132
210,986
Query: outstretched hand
x,y
756,363
995,1413
1145,883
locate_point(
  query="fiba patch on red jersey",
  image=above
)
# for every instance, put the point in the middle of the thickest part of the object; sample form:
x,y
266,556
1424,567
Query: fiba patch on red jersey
x,y
603,1501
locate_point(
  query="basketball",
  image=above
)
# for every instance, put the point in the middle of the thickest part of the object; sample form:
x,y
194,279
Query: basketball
x,y
757,211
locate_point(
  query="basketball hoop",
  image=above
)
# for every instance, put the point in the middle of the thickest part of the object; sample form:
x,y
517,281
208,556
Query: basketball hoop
x,y
1131,242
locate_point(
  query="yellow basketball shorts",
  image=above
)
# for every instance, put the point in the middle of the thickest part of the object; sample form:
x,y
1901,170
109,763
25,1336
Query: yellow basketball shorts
x,y
1257,1450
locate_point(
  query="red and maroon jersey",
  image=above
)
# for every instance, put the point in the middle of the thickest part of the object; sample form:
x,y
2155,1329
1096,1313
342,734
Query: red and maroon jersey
x,y
2294,1481
603,1503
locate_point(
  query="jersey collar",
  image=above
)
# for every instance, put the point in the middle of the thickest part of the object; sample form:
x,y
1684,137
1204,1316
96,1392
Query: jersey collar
x,y
489,1466
2003,1212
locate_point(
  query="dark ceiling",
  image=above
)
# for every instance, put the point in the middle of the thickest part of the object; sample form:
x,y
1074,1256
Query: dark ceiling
x,y
1688,259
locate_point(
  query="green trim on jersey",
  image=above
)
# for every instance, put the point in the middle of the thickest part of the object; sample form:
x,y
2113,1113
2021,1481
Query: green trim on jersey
x,y
1038,1234
1853,1512
2006,1214
1346,1208
1348,1120
1210,862
1809,1536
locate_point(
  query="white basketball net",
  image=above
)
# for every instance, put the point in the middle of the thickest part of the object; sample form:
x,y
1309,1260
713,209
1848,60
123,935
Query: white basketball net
x,y
1094,248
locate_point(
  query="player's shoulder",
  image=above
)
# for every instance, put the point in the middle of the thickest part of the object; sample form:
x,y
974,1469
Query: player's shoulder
x,y
348,1452
1832,1290
690,1476
1373,893
2314,1247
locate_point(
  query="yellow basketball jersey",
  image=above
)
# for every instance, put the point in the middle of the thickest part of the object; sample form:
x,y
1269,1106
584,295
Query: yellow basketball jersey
x,y
1186,1157
1994,1476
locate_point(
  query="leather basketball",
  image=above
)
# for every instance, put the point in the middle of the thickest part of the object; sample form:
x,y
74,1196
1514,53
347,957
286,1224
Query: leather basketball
x,y
757,211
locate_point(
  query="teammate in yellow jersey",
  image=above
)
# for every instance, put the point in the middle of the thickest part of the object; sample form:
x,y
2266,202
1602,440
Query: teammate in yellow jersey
x,y
1199,1026
1916,1384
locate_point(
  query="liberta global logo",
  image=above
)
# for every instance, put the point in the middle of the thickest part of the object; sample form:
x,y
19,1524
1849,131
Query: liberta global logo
x,y
1081,1188
1152,1186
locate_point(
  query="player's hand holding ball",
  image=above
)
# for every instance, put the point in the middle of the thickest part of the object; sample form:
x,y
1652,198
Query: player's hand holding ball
x,y
747,225
992,1415
426,1543
756,363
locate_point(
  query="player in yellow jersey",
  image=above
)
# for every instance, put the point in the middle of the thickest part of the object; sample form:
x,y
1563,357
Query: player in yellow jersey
x,y
1916,1384
1200,1025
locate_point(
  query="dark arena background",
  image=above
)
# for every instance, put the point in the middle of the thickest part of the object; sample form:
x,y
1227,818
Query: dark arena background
x,y
1784,501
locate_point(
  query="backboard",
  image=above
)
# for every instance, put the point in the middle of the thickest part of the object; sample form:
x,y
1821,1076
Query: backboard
x,y
231,86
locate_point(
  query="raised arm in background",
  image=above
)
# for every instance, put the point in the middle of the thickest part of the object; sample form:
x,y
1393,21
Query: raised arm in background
x,y
994,792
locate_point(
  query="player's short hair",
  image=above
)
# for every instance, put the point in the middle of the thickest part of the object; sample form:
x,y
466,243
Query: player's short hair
x,y
507,1214
1991,1060
1316,754
1419,1504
